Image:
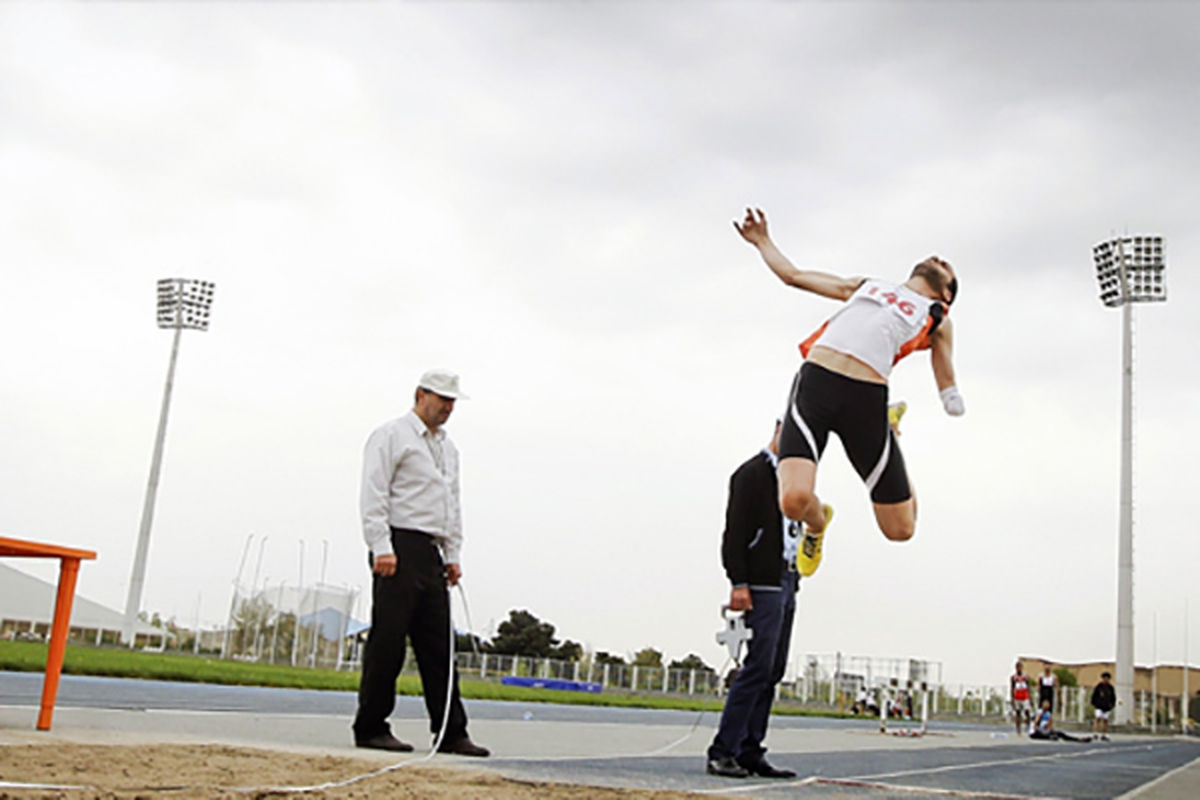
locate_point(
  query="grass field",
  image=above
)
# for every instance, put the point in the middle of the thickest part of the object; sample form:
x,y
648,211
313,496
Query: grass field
x,y
117,663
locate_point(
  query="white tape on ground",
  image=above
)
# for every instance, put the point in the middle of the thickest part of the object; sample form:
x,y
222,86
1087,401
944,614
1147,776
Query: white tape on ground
x,y
44,786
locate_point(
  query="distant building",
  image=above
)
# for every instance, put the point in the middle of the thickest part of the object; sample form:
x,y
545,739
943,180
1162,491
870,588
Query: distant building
x,y
27,608
1168,682
1169,678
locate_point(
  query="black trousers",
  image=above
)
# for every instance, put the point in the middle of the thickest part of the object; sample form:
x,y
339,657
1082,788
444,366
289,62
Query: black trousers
x,y
413,603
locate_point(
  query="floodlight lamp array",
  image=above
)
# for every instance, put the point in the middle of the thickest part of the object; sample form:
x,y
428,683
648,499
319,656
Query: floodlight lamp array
x,y
1130,269
184,303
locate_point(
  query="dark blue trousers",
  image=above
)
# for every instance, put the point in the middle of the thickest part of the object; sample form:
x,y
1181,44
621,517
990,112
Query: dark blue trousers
x,y
748,706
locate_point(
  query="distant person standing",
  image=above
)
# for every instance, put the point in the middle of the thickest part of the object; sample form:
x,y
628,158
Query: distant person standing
x,y
1104,700
758,550
1018,689
413,526
1047,684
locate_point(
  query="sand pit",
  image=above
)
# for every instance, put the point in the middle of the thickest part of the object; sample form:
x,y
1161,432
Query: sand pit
x,y
190,772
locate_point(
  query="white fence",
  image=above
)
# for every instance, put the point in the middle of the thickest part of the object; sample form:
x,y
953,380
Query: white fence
x,y
304,626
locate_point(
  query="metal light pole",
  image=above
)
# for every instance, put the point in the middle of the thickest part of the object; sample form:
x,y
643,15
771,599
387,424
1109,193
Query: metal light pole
x,y
1129,269
182,303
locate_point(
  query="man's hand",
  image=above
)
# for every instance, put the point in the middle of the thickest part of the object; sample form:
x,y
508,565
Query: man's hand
x,y
754,227
739,599
453,574
384,565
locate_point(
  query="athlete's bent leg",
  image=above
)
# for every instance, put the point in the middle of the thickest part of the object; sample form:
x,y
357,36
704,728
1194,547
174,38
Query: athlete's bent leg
x,y
898,521
797,498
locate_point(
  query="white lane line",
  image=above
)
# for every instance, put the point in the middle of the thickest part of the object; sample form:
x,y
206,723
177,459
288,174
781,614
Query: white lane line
x,y
1138,791
814,780
872,781
998,762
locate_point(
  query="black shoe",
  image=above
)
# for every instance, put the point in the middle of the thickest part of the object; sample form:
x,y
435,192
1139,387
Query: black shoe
x,y
726,767
463,746
764,770
384,741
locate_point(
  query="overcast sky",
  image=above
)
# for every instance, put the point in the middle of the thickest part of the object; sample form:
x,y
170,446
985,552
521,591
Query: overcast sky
x,y
539,196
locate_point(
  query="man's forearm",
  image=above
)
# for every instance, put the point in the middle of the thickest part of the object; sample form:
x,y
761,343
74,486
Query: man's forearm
x,y
783,268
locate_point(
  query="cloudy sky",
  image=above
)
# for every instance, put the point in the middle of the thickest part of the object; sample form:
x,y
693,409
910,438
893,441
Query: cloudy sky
x,y
539,196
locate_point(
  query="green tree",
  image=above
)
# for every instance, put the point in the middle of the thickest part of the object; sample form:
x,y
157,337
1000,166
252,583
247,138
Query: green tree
x,y
648,657
468,643
691,661
603,657
523,634
1065,676
568,651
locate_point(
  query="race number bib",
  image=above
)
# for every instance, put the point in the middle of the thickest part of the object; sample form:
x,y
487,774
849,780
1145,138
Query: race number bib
x,y
890,297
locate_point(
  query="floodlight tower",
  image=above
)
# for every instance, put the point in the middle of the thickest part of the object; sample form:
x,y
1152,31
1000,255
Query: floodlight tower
x,y
1130,270
182,303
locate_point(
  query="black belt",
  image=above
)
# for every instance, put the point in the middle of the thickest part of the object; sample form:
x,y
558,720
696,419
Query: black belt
x,y
413,532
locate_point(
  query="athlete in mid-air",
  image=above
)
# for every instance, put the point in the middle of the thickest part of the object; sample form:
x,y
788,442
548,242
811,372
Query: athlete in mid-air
x,y
842,385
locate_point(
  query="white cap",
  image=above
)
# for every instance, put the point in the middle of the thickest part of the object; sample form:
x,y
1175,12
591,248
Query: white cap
x,y
442,382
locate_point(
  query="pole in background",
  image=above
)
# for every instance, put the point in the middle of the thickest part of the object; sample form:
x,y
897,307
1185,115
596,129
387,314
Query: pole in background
x,y
182,303
1154,681
1186,705
316,598
1129,269
299,604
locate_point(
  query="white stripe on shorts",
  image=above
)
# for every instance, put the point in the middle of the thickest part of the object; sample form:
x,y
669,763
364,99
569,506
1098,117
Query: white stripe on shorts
x,y
873,478
796,418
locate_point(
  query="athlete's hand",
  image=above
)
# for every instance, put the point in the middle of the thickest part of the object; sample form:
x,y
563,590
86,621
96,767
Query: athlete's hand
x,y
384,565
453,573
740,600
952,401
754,227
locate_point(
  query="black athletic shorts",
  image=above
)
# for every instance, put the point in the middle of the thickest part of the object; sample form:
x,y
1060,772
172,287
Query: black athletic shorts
x,y
822,401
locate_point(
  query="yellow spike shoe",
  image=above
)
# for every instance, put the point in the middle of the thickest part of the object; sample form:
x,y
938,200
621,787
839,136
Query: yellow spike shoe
x,y
808,557
895,414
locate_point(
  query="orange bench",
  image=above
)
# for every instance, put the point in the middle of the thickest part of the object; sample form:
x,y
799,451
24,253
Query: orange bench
x,y
68,571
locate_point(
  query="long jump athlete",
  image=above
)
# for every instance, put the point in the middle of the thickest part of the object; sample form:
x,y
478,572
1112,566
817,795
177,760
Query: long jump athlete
x,y
842,385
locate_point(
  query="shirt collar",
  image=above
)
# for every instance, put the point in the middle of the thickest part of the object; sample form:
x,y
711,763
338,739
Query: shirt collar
x,y
421,429
774,459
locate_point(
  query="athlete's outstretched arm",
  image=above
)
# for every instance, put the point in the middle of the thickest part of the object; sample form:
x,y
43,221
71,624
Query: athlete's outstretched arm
x,y
942,359
754,230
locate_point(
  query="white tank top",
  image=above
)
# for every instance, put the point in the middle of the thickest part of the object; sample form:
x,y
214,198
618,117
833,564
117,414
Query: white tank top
x,y
880,323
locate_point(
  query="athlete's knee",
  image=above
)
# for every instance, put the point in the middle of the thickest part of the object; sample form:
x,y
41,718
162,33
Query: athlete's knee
x,y
796,503
899,530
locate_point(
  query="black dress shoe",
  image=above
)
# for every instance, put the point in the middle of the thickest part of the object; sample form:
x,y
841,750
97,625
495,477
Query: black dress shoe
x,y
764,770
384,741
726,767
464,747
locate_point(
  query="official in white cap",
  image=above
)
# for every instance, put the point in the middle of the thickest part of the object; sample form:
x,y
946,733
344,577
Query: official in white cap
x,y
413,527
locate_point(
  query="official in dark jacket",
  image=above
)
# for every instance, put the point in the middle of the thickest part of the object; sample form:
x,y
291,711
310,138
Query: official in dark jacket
x,y
758,550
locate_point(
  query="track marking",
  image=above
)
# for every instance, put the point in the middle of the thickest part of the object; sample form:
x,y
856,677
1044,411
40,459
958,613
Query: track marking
x,y
996,762
815,780
1137,791
872,781
899,787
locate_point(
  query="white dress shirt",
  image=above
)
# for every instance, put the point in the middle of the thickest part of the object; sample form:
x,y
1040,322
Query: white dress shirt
x,y
410,480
